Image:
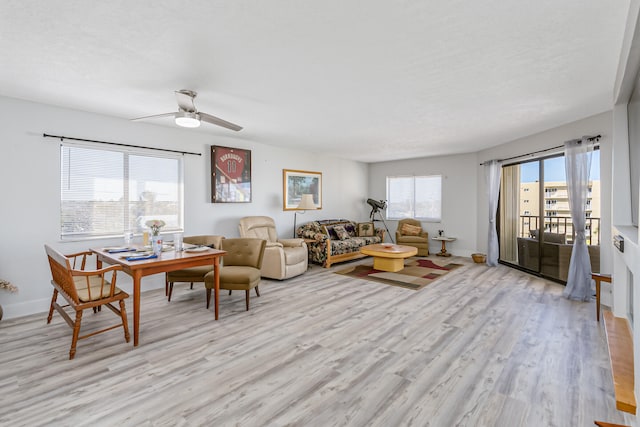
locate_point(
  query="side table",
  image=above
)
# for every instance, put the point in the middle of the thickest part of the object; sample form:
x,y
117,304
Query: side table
x,y
444,240
599,278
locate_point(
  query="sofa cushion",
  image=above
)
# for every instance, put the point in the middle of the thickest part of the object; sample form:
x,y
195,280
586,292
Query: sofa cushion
x,y
411,230
350,227
341,232
365,229
413,239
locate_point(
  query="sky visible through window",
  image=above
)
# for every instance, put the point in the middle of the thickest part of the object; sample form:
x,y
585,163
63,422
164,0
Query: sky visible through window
x,y
554,169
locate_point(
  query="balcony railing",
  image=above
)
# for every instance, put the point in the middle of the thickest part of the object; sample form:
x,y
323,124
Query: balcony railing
x,y
560,225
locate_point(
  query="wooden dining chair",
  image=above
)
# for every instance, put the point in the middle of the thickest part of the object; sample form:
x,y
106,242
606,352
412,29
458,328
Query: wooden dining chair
x,y
193,274
84,289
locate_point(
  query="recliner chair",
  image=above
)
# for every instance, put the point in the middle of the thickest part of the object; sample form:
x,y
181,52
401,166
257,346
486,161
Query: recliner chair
x,y
283,258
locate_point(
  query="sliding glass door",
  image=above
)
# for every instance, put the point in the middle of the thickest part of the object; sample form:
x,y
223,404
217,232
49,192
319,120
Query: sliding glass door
x,y
519,215
535,228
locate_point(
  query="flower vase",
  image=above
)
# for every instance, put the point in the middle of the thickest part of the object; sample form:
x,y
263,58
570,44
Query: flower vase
x,y
156,244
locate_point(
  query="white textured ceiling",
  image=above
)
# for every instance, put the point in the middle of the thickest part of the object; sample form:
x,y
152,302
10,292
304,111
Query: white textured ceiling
x,y
367,80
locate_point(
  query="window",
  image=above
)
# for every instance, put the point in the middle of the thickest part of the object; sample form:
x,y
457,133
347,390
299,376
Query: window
x,y
414,197
105,192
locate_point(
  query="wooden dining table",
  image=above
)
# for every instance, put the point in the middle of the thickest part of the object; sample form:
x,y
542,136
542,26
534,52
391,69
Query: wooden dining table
x,y
164,263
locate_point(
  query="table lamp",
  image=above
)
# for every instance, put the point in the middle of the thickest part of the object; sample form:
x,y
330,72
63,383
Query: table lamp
x,y
306,204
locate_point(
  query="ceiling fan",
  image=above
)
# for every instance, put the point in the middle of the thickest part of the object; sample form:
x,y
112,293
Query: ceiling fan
x,y
187,114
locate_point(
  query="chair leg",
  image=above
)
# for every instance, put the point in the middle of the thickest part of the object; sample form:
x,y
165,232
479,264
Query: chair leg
x,y
170,291
257,291
247,298
53,301
125,325
76,332
191,285
166,284
229,292
208,297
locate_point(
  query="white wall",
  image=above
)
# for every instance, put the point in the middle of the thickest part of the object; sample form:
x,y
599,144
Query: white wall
x,y
30,193
600,124
459,198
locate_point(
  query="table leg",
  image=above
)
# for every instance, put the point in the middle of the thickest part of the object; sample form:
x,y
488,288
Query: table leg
x,y
598,300
599,278
216,281
137,277
443,250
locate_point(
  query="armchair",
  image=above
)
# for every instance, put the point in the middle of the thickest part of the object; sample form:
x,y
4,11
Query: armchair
x,y
241,269
283,258
410,233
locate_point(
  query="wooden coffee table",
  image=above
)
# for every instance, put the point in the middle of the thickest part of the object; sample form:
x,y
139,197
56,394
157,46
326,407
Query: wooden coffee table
x,y
387,257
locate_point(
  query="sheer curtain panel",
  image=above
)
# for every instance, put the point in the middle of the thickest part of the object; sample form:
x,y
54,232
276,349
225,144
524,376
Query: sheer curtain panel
x,y
577,155
493,169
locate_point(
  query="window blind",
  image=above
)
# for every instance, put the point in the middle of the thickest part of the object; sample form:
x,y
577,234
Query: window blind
x,y
105,192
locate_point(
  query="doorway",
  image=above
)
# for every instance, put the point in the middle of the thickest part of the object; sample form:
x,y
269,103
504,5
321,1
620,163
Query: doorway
x,y
535,229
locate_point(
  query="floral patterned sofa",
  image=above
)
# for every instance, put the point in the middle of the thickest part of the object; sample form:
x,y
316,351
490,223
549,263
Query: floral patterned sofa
x,y
326,248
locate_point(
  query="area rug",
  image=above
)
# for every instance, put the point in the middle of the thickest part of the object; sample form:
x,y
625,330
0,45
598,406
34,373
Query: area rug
x,y
418,272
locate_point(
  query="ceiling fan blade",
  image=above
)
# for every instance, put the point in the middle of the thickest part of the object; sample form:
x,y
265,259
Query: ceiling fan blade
x,y
217,121
154,116
185,100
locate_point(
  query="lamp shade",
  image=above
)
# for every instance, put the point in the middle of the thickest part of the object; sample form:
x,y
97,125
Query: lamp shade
x,y
187,120
306,203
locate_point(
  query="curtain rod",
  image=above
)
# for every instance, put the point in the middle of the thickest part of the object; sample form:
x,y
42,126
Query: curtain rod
x,y
62,138
589,138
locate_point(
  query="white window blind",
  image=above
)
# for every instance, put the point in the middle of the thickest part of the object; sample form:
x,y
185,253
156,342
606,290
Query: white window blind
x,y
105,192
417,197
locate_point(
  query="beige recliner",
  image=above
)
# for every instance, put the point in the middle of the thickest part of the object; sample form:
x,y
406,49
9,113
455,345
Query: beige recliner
x,y
283,258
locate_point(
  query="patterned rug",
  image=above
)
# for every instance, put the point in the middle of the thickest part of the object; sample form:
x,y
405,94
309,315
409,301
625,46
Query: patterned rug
x,y
418,272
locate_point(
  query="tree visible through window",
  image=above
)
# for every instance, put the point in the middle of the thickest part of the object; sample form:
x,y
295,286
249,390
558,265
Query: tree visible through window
x,y
105,192
417,197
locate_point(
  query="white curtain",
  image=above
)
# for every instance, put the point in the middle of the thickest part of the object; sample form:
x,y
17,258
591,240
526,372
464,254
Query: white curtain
x,y
493,169
577,158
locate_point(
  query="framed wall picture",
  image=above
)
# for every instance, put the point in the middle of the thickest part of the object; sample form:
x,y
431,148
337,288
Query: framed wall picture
x,y
295,183
230,175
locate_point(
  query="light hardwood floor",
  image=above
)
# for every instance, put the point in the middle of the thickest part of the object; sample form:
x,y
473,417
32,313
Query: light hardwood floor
x,y
480,347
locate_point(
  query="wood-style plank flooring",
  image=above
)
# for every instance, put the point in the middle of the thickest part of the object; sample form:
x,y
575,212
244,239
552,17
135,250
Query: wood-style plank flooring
x,y
480,347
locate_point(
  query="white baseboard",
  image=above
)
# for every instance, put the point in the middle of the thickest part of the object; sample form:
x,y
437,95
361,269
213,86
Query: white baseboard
x,y
35,306
26,308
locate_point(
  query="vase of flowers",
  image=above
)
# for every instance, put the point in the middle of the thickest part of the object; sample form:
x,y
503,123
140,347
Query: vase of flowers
x,y
4,284
155,225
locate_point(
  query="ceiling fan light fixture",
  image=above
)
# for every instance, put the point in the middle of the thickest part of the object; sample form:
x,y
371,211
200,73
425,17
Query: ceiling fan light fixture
x,y
187,120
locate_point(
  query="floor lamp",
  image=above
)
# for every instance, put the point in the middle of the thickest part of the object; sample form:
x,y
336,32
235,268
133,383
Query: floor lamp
x,y
306,204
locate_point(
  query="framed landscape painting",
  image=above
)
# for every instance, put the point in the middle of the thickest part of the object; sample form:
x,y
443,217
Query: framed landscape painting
x,y
230,175
296,183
